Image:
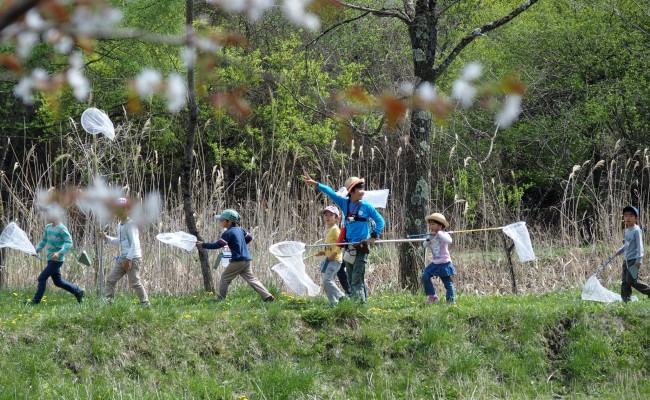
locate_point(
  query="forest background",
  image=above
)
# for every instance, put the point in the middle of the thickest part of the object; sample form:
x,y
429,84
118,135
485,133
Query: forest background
x,y
575,157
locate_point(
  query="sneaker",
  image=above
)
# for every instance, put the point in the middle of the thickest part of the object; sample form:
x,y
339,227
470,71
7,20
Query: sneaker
x,y
80,295
432,299
270,299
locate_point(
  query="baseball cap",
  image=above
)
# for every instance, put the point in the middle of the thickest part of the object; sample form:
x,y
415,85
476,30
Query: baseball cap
x,y
228,215
333,209
631,209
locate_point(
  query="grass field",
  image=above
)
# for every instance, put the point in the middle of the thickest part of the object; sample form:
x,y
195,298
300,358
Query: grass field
x,y
546,346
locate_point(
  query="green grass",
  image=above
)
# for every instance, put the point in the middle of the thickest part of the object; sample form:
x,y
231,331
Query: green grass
x,y
393,348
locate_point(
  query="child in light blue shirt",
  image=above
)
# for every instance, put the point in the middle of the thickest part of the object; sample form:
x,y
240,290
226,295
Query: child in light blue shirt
x,y
632,251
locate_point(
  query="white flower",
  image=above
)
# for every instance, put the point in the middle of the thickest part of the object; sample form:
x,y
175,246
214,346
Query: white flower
x,y
27,84
188,55
148,82
510,111
472,71
175,93
76,60
78,83
33,20
463,92
90,20
24,90
427,92
257,8
230,6
60,42
205,44
296,11
25,42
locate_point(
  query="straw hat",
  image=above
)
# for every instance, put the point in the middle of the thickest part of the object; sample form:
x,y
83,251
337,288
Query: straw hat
x,y
438,218
352,182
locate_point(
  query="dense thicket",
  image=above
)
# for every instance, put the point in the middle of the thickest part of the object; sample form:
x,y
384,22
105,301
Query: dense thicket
x,y
585,65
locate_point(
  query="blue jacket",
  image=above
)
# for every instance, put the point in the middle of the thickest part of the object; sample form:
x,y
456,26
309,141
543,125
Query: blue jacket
x,y
358,230
236,239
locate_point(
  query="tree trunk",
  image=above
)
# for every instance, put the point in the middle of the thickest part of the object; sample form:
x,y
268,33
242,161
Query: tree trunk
x,y
188,163
422,32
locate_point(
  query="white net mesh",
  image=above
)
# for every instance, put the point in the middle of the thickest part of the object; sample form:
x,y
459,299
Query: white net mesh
x,y
519,235
182,240
292,268
14,237
95,121
594,291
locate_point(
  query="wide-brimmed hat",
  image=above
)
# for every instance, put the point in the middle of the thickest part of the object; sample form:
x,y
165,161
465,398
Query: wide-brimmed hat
x,y
631,209
228,215
333,209
437,217
353,181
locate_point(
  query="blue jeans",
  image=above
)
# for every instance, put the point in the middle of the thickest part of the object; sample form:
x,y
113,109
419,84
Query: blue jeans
x,y
53,270
429,290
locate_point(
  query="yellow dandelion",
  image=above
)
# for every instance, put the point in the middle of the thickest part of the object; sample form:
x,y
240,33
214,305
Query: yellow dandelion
x,y
14,294
13,322
187,316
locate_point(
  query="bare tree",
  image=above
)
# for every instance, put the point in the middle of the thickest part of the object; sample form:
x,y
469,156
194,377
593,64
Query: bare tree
x,y
430,61
188,163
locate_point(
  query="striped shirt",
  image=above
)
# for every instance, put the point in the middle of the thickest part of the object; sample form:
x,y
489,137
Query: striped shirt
x,y
56,239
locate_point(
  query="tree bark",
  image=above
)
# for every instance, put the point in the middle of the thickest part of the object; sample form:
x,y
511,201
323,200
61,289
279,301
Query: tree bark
x,y
188,162
423,28
423,36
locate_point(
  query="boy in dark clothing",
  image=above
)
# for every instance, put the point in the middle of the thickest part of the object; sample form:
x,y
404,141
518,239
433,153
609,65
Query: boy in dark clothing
x,y
240,264
633,252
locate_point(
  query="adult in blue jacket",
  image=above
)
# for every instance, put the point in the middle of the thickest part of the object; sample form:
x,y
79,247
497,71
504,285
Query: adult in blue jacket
x,y
357,228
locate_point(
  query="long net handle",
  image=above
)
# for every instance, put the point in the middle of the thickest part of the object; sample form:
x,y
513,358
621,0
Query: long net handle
x,y
376,242
477,230
463,231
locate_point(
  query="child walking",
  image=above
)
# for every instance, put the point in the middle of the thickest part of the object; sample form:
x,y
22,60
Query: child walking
x,y
632,251
240,264
356,229
438,241
333,255
57,242
129,261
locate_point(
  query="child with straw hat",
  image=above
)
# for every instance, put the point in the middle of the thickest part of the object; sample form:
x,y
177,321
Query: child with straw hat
x,y
438,241
356,229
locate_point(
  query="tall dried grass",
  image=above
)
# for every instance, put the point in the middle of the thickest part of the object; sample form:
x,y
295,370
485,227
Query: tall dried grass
x,y
277,206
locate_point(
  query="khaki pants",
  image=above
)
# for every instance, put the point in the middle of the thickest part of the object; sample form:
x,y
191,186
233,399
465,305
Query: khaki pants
x,y
243,269
118,272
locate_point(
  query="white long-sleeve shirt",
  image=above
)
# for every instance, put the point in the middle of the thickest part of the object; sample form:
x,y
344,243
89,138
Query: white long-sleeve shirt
x,y
128,238
439,244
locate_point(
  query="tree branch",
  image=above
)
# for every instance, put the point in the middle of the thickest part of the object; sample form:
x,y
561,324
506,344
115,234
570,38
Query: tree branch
x,y
15,11
469,38
331,28
380,12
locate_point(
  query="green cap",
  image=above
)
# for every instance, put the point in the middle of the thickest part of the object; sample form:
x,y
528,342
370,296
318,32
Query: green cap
x,y
228,215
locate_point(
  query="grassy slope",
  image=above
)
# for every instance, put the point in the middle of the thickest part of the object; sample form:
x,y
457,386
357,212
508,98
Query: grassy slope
x,y
500,346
